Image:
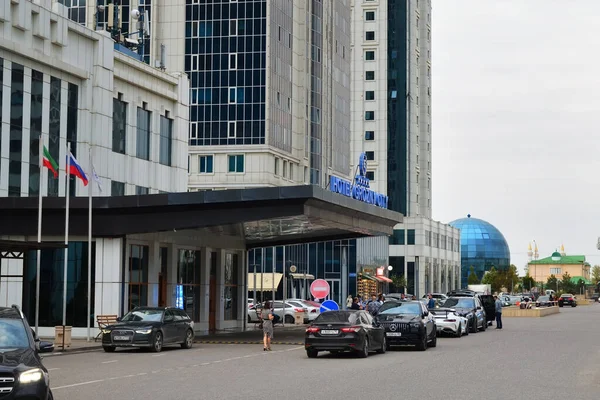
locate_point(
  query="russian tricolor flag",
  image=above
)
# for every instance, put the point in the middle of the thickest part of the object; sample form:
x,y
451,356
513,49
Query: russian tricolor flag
x,y
75,169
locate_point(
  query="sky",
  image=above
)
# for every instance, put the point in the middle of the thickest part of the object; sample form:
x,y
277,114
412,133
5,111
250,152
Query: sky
x,y
516,114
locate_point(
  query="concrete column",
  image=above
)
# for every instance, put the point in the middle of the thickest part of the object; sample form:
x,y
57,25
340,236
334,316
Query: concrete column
x,y
153,271
242,288
205,285
220,288
439,277
172,258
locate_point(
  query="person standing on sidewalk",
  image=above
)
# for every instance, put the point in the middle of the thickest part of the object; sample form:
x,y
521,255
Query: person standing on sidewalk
x,y
498,305
267,319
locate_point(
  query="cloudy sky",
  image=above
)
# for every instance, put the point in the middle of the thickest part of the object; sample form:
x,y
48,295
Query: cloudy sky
x,y
516,120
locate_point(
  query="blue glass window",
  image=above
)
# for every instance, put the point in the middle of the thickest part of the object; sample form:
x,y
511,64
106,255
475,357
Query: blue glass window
x,y
205,164
236,163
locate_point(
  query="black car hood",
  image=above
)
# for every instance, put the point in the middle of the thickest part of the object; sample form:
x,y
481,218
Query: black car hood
x,y
134,325
399,318
19,360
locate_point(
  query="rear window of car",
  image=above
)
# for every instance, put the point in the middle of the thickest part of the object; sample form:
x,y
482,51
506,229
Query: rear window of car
x,y
336,317
567,295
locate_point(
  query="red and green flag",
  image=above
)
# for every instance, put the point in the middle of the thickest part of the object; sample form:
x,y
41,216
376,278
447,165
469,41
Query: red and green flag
x,y
49,162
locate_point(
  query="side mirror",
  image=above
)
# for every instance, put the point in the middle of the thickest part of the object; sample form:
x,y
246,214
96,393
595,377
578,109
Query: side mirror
x,y
479,308
37,339
45,347
426,313
118,319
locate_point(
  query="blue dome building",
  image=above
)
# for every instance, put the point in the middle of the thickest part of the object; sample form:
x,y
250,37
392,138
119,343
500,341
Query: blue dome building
x,y
482,246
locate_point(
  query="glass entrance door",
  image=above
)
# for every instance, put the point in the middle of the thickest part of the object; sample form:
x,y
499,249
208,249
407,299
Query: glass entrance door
x,y
335,292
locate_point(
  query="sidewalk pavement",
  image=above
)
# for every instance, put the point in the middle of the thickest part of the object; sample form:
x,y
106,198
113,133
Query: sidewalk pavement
x,y
288,335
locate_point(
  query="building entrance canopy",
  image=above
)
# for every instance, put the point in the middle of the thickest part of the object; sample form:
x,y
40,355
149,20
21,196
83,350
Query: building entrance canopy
x,y
261,217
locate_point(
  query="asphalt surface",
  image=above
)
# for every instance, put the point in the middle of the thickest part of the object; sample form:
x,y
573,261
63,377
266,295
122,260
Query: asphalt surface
x,y
553,357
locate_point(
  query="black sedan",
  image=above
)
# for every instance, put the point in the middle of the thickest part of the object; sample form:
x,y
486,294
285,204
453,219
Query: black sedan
x,y
543,301
567,300
338,331
150,327
407,322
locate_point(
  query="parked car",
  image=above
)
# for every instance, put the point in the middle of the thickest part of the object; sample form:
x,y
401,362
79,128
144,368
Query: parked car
x,y
313,309
448,321
514,300
408,322
438,297
345,330
150,327
487,302
22,374
543,301
470,308
278,309
567,299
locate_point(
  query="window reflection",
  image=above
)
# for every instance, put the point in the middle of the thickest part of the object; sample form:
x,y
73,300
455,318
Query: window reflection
x,y
188,282
231,287
138,276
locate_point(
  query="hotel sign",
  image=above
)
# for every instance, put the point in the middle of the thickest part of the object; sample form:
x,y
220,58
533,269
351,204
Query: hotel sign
x,y
359,189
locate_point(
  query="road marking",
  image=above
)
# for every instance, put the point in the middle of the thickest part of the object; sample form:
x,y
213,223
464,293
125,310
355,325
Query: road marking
x,y
53,369
168,369
78,384
158,355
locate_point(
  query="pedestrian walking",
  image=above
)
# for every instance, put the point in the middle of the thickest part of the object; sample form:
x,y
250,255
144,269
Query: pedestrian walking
x,y
267,318
431,302
373,305
498,305
355,304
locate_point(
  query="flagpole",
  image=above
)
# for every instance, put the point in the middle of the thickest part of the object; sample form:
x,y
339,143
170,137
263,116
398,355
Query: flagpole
x,y
89,291
65,276
39,239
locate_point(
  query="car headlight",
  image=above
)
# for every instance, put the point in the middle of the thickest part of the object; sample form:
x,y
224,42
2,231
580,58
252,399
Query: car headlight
x,y
144,331
105,331
32,375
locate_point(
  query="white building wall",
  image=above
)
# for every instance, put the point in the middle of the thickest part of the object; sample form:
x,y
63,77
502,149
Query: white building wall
x,y
376,145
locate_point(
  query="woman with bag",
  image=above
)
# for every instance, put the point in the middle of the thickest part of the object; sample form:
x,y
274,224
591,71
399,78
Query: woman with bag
x,y
267,318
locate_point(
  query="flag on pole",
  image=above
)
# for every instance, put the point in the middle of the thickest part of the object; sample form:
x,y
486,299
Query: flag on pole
x,y
48,162
96,178
75,169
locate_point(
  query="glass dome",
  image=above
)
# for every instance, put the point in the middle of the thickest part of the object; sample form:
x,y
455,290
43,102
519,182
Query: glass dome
x,y
482,246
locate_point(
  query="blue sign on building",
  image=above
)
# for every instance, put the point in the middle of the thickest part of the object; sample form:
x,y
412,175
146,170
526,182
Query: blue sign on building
x,y
358,190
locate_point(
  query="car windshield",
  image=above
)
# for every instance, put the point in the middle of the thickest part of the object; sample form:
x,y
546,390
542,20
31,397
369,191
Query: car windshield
x,y
337,317
13,334
143,315
458,302
400,308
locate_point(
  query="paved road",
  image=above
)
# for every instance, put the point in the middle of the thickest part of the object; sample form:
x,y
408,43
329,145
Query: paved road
x,y
553,357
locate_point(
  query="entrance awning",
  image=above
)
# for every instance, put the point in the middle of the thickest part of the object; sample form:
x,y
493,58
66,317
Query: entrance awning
x,y
256,217
264,282
384,278
302,276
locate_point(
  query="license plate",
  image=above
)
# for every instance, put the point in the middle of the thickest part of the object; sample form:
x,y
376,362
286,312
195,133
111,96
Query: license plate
x,y
394,334
121,337
330,332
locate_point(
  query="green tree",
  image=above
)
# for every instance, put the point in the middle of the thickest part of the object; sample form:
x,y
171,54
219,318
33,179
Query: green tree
x,y
552,282
492,278
567,285
596,274
473,279
399,283
508,278
528,281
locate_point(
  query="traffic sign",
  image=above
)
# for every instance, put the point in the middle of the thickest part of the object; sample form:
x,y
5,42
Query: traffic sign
x,y
329,305
319,289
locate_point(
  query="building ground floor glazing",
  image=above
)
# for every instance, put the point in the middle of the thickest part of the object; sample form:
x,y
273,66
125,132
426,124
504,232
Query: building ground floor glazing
x,y
209,279
205,279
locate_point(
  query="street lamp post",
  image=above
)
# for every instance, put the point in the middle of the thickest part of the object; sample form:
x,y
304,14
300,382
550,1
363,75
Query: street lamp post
x,y
389,268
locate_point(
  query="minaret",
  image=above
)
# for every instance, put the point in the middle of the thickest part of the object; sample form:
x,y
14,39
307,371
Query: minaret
x,y
535,252
529,251
562,250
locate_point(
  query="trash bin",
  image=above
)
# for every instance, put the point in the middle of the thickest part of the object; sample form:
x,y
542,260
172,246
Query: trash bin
x,y
299,318
58,336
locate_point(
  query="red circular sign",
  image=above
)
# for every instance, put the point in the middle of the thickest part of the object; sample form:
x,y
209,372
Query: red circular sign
x,y
319,289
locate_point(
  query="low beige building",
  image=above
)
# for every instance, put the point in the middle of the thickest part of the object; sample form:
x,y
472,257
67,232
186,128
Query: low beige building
x,y
557,264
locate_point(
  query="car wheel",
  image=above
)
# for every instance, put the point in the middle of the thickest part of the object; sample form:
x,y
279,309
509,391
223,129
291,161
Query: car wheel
x,y
459,331
289,319
189,340
157,344
434,341
384,346
364,352
109,349
484,326
50,395
473,327
574,305
422,345
312,353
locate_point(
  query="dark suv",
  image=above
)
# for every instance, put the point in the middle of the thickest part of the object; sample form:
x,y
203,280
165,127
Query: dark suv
x,y
407,322
22,374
